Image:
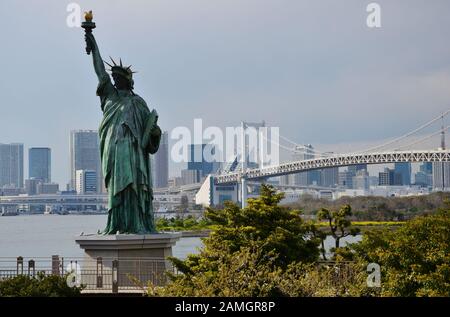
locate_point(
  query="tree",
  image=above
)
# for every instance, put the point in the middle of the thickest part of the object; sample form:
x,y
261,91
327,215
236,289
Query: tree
x,y
39,286
271,236
414,260
338,223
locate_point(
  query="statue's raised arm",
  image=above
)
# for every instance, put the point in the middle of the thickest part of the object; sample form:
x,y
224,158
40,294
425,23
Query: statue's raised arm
x,y
91,45
105,85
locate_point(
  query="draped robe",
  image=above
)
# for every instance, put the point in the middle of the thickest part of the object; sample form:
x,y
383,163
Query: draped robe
x,y
128,134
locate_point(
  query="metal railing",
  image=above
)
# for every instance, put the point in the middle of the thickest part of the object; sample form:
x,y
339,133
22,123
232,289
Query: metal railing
x,y
95,275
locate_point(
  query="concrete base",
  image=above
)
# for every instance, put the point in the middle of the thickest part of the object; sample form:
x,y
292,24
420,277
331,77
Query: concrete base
x,y
121,260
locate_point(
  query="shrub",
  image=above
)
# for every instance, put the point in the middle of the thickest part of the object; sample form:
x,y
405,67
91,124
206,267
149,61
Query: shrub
x,y
39,286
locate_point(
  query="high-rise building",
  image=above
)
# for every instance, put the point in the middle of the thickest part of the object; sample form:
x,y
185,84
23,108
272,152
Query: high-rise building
x,y
361,180
86,182
190,176
357,167
160,163
426,167
301,153
39,164
47,188
389,178
424,177
85,155
31,186
404,169
198,159
11,165
346,179
441,175
329,177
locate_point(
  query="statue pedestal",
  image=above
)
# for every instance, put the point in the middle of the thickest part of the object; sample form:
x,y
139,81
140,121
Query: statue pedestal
x,y
114,261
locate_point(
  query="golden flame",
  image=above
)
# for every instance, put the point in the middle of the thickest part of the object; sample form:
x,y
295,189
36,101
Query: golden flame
x,y
88,16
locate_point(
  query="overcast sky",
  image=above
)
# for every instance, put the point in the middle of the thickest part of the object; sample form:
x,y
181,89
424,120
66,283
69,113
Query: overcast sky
x,y
313,67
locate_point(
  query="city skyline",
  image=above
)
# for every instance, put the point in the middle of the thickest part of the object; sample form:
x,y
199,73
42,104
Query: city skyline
x,y
315,63
87,143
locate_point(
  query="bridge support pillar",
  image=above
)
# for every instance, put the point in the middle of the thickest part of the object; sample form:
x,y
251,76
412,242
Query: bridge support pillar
x,y
244,192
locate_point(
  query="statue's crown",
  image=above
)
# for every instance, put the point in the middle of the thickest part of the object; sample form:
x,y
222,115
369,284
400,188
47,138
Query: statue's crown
x,y
121,70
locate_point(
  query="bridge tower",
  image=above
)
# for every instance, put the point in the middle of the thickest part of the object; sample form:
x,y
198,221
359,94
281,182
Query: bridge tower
x,y
245,153
443,148
442,134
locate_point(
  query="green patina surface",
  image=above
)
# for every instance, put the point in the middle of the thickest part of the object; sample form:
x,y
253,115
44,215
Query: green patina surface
x,y
128,135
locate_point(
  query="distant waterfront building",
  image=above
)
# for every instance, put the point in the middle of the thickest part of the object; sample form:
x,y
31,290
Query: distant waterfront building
x,y
373,180
302,153
39,164
424,177
198,161
86,182
389,178
284,180
191,176
357,167
404,170
11,165
31,186
361,180
85,155
426,167
346,179
329,177
160,163
47,188
441,175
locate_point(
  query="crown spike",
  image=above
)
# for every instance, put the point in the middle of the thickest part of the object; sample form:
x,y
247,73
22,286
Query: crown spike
x,y
107,63
120,62
113,61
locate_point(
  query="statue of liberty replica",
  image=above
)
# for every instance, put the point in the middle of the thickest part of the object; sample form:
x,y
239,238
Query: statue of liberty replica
x,y
128,134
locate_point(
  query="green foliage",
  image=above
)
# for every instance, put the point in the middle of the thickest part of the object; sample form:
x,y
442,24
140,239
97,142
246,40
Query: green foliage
x,y
374,208
339,226
39,286
248,248
267,250
251,273
276,228
188,223
414,260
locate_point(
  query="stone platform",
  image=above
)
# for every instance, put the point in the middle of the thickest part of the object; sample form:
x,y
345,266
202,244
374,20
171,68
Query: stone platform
x,y
117,260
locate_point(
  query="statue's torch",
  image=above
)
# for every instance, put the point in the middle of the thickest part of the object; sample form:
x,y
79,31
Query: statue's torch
x,y
88,26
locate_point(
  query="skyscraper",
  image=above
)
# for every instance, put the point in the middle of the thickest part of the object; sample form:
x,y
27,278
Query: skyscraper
x,y
424,177
361,180
198,161
39,164
404,169
426,167
441,175
357,167
85,155
389,178
11,165
346,179
160,163
305,178
86,182
329,177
